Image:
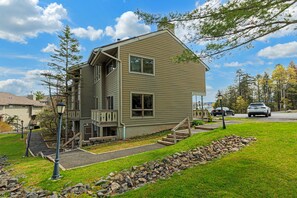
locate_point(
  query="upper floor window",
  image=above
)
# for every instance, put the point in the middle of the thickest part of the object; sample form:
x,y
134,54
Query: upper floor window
x,y
141,65
142,105
97,73
110,66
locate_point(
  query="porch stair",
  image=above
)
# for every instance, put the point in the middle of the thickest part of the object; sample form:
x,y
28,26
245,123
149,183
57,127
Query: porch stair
x,y
205,127
176,136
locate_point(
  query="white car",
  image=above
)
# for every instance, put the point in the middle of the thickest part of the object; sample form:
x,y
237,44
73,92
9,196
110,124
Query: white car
x,y
258,108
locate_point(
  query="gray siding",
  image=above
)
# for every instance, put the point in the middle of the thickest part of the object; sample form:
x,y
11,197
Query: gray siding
x,y
97,94
111,87
172,84
87,91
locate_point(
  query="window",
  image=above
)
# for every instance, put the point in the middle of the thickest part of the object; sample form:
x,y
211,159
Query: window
x,y
97,73
110,66
142,105
110,102
141,65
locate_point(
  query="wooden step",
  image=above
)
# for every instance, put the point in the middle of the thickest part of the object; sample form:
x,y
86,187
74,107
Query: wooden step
x,y
204,127
167,139
184,134
165,143
177,136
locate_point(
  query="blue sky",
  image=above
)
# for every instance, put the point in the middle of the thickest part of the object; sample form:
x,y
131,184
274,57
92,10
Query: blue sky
x,y
29,29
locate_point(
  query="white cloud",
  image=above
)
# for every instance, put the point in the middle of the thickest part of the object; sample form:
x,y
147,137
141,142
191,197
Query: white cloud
x,y
50,48
234,64
9,71
29,81
128,25
22,19
24,56
286,50
238,64
89,33
208,87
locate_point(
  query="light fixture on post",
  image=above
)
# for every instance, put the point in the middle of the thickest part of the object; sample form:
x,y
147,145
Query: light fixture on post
x,y
28,140
220,97
17,126
60,110
22,121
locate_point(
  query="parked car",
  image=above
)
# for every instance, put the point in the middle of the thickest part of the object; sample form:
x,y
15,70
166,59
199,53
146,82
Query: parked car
x,y
258,108
218,111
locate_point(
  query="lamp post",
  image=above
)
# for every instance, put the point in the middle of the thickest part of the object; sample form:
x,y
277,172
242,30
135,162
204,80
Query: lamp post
x,y
28,141
22,121
17,129
60,110
220,97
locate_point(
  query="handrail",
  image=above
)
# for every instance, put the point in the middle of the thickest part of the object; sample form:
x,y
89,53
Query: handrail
x,y
179,125
72,139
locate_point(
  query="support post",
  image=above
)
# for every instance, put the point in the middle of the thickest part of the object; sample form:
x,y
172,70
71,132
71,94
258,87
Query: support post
x,y
28,141
56,173
224,125
189,127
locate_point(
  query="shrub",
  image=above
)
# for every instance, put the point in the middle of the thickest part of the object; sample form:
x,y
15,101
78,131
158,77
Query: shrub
x,y
5,127
197,122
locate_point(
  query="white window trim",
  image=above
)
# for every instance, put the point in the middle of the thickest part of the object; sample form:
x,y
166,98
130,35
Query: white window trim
x,y
154,106
141,73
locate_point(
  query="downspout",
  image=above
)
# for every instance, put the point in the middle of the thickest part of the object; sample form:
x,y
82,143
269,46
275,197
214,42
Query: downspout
x,y
121,95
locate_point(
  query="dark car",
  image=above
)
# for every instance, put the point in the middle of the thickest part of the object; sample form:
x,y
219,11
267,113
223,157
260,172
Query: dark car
x,y
218,111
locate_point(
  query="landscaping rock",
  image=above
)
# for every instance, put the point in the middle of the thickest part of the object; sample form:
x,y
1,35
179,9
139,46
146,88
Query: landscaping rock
x,y
100,182
115,186
152,171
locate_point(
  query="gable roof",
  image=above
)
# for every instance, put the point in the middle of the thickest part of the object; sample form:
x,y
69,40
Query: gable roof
x,y
10,99
137,38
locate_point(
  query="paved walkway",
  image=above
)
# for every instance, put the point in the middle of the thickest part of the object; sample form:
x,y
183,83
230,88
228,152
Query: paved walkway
x,y
78,158
38,145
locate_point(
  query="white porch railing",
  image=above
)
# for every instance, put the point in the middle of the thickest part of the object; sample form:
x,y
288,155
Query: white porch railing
x,y
74,114
103,117
199,114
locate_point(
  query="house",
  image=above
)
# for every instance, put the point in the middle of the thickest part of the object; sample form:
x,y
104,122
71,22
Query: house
x,y
24,108
132,87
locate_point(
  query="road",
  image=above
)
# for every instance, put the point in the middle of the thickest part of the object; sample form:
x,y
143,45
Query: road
x,y
275,116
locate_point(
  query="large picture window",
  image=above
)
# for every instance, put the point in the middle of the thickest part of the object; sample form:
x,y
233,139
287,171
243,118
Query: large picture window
x,y
142,105
141,65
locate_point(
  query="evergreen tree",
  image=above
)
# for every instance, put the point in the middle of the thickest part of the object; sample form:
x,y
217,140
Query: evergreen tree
x,y
57,81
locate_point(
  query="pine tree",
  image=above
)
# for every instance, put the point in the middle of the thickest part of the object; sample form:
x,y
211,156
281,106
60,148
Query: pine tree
x,y
64,57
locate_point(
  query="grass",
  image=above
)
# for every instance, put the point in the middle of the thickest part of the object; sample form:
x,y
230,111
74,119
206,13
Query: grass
x,y
129,143
267,168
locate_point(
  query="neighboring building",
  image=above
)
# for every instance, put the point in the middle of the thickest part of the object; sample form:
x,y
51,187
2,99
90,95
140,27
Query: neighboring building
x,y
21,106
132,87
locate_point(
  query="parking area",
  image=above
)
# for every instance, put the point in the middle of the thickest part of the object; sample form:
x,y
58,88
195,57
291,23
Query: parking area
x,y
275,116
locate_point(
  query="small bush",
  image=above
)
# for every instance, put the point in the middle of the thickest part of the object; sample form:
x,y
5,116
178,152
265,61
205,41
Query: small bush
x,y
197,122
5,127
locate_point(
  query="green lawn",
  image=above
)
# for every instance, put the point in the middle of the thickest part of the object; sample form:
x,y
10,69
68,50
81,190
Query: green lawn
x,y
267,168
